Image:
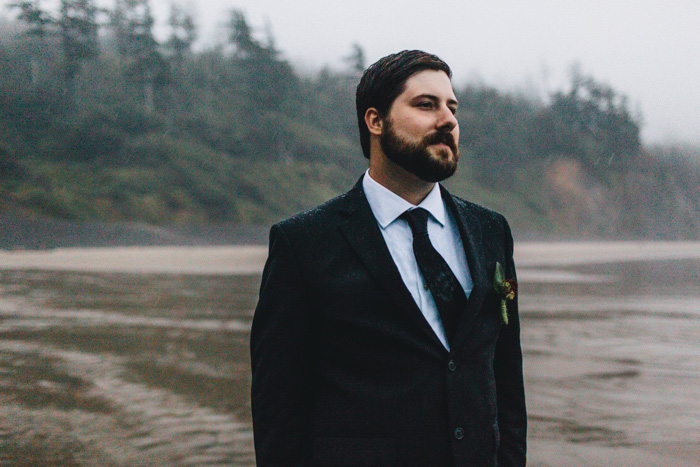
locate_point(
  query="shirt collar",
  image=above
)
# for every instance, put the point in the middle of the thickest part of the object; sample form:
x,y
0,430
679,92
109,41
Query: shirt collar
x,y
387,206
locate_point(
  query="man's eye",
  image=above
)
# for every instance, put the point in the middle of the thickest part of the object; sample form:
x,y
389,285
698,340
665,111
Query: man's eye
x,y
425,105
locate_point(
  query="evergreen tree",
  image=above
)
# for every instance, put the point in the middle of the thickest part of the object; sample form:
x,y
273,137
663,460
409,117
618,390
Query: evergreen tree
x,y
593,110
39,24
78,29
268,76
177,48
269,81
183,33
30,12
132,22
356,60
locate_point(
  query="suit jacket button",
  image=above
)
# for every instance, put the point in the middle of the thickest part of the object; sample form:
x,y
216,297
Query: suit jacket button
x,y
451,365
459,433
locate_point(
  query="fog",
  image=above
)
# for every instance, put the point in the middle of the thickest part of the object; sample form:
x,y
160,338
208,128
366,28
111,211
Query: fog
x,y
647,49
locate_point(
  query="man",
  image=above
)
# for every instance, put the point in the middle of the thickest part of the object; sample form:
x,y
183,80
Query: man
x,y
366,349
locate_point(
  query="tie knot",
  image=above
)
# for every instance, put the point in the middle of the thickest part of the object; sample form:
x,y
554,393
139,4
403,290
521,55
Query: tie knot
x,y
418,220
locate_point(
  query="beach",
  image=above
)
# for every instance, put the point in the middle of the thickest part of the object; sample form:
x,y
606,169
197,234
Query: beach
x,y
251,259
138,356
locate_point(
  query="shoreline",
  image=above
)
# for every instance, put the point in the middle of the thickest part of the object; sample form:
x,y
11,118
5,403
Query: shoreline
x,y
250,259
215,260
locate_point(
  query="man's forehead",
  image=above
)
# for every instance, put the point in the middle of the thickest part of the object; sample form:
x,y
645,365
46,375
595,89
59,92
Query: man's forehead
x,y
430,82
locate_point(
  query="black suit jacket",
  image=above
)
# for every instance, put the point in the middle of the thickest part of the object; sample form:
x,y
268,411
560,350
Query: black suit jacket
x,y
347,371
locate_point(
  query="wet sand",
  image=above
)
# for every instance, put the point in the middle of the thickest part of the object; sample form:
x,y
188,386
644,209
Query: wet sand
x,y
138,356
141,260
251,259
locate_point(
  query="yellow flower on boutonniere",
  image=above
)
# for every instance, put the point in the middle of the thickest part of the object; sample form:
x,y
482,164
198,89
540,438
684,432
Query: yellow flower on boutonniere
x,y
506,288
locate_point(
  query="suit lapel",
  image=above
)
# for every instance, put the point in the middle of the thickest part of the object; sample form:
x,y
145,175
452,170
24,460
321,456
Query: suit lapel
x,y
362,232
472,240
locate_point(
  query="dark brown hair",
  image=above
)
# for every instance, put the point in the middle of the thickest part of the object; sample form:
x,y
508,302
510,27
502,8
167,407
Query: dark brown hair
x,y
385,79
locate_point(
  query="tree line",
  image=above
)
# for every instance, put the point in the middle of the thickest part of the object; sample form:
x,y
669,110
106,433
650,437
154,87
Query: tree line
x,y
99,77
89,87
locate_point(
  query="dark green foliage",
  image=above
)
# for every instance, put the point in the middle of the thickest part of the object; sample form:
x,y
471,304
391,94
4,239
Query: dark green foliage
x,y
593,112
93,136
183,33
77,26
136,121
590,123
37,20
101,135
30,114
10,171
356,60
143,64
495,131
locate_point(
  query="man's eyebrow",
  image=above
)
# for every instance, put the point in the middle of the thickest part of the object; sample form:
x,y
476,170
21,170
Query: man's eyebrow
x,y
434,98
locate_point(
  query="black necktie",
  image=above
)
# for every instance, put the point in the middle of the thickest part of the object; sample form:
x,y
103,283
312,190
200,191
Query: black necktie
x,y
444,286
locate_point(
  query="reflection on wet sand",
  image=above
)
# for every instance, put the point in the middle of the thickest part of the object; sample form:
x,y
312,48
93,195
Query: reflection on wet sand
x,y
99,367
124,369
611,367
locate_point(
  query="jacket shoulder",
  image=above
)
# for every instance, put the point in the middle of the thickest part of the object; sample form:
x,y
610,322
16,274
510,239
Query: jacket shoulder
x,y
317,219
493,226
484,214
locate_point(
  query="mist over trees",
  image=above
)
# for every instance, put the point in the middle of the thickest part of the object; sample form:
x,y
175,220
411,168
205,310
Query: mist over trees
x,y
101,121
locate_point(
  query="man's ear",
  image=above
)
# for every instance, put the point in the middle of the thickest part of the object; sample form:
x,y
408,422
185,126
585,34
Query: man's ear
x,y
373,121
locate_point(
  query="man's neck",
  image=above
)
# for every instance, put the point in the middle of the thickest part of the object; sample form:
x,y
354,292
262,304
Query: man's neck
x,y
399,181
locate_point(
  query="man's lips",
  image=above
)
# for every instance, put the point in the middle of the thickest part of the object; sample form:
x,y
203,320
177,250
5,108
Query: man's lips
x,y
443,145
439,140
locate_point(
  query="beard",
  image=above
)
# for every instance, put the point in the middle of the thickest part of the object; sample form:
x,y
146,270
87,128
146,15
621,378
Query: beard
x,y
417,158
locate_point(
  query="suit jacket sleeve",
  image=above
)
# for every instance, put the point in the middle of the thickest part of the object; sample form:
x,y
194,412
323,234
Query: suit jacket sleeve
x,y
512,418
281,360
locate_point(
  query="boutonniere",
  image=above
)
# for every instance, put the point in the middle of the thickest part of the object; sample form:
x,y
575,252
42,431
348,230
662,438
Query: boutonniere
x,y
506,288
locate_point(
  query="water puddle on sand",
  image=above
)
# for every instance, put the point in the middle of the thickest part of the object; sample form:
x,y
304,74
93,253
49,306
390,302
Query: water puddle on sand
x,y
138,369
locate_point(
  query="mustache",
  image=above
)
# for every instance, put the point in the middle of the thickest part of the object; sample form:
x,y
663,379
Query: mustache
x,y
441,137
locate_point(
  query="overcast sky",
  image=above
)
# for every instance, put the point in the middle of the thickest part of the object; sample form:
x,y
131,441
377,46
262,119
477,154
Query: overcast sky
x,y
646,49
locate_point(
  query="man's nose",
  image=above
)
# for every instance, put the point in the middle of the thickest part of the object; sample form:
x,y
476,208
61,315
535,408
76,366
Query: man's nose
x,y
447,120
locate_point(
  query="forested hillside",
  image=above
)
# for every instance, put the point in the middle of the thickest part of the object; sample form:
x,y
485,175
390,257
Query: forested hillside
x,y
101,122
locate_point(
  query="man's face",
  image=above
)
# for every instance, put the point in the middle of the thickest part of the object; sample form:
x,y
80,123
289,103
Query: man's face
x,y
420,133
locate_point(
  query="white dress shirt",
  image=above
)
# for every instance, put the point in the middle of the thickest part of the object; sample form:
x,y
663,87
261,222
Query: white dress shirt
x,y
387,206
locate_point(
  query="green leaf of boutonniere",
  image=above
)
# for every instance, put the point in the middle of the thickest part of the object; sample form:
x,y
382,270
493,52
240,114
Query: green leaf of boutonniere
x,y
506,288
